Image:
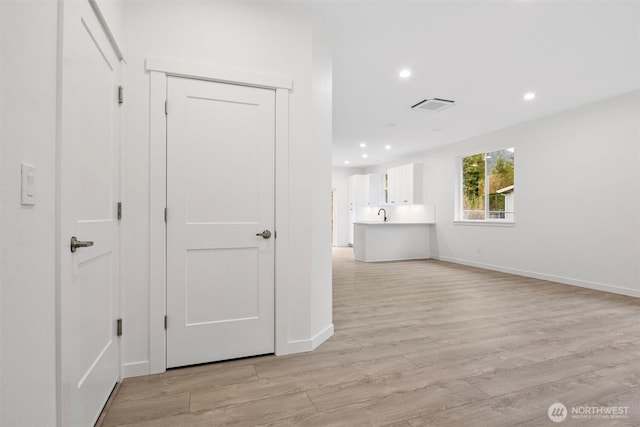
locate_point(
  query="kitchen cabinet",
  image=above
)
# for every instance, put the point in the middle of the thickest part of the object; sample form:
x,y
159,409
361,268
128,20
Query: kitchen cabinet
x,y
366,190
363,191
352,220
405,185
374,190
355,187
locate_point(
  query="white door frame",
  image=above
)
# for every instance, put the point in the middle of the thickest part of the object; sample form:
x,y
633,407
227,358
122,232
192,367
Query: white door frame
x,y
158,70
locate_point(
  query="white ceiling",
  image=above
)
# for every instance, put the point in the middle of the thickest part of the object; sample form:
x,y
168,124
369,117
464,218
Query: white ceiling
x,y
483,54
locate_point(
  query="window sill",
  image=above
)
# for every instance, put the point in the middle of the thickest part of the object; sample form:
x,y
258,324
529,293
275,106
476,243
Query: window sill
x,y
485,223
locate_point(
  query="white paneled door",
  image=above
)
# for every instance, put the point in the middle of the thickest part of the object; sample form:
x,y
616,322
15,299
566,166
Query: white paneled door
x,y
220,218
89,188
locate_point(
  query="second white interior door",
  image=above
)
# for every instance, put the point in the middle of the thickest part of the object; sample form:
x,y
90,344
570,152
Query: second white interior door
x,y
220,195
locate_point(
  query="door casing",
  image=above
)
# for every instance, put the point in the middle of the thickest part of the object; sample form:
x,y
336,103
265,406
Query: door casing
x,y
159,70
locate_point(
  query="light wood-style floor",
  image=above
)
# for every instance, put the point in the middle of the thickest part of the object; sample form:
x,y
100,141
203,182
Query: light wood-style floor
x,y
419,343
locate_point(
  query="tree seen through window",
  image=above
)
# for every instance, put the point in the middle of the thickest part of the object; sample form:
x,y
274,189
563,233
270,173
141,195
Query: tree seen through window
x,y
488,188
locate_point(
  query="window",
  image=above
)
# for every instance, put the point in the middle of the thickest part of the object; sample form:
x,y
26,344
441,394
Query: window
x,y
487,186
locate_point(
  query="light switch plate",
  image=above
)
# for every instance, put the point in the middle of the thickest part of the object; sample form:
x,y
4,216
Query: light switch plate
x,y
28,186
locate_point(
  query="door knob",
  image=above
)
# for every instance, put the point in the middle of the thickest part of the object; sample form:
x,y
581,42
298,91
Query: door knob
x,y
75,244
265,234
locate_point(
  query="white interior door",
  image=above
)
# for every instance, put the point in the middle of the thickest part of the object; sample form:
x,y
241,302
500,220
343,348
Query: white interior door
x,y
89,168
220,196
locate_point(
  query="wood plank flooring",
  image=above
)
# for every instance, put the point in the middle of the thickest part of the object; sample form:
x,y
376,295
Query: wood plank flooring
x,y
419,343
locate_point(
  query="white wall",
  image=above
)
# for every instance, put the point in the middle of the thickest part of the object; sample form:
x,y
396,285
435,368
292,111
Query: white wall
x,y
577,198
28,37
274,38
320,153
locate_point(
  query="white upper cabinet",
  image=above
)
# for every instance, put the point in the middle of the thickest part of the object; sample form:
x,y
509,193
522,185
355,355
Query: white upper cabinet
x,y
405,185
374,189
366,190
357,191
353,186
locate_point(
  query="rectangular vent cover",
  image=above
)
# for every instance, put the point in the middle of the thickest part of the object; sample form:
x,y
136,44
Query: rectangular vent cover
x,y
433,104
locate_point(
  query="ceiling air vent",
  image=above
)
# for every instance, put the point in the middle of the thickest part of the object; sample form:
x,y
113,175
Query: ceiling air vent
x,y
433,104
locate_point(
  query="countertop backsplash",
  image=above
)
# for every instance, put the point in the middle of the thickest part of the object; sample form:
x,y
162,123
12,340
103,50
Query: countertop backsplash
x,y
403,213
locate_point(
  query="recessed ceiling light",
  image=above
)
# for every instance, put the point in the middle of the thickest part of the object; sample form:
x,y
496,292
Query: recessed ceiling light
x,y
529,96
346,162
364,156
387,147
405,74
362,145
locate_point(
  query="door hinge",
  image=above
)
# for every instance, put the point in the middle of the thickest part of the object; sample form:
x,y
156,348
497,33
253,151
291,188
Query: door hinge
x,y
165,214
119,327
165,321
120,95
165,108
275,234
119,211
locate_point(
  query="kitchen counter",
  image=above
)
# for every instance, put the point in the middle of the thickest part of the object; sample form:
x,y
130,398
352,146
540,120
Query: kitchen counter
x,y
391,223
391,241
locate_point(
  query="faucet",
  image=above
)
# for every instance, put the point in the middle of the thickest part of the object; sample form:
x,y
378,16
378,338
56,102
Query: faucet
x,y
385,214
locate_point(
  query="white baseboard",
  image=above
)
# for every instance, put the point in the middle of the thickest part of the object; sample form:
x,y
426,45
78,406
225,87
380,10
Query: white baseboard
x,y
322,336
135,369
301,346
542,276
394,259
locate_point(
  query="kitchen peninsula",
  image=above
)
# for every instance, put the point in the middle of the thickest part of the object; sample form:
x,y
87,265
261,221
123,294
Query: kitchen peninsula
x,y
391,241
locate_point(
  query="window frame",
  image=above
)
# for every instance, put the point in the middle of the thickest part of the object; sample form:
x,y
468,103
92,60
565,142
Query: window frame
x,y
459,199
